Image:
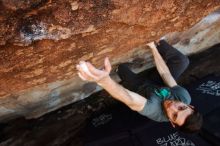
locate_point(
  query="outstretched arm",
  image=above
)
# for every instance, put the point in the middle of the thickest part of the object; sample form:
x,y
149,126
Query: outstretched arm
x,y
88,72
162,67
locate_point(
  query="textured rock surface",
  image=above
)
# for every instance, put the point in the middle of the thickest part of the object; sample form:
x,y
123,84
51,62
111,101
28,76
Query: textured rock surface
x,y
42,40
66,126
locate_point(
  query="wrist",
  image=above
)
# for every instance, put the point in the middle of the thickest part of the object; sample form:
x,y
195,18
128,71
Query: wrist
x,y
104,81
152,45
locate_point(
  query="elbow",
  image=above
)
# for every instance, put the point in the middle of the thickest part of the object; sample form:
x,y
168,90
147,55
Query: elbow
x,y
135,101
136,108
136,105
131,104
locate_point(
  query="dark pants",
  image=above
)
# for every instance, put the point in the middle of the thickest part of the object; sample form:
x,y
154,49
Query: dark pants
x,y
175,60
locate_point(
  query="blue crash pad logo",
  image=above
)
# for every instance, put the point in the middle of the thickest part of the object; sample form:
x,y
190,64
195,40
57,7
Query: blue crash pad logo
x,y
174,139
210,88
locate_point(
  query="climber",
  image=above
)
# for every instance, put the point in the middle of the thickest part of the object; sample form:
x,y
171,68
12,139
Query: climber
x,y
160,99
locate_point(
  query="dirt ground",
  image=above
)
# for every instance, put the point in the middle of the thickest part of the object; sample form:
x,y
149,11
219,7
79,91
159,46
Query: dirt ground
x,y
66,126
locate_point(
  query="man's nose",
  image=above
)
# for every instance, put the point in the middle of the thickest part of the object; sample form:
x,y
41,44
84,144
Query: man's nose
x,y
174,108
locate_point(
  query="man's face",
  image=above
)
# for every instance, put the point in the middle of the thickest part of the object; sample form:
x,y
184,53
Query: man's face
x,y
177,111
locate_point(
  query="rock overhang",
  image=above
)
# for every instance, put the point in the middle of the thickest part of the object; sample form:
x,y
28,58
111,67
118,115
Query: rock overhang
x,y
41,41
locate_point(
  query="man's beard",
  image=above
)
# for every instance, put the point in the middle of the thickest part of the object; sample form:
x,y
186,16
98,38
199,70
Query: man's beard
x,y
164,109
165,105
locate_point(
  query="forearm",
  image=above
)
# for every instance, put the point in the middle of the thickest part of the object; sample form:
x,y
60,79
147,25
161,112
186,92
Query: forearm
x,y
159,62
88,72
131,99
163,68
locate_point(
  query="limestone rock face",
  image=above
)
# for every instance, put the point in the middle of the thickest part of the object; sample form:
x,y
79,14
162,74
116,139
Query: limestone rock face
x,y
42,40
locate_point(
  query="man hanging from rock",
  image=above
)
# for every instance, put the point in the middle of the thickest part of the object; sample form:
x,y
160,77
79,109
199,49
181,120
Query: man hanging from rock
x,y
160,99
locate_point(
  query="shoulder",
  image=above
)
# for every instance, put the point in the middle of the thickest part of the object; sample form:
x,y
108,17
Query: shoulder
x,y
153,109
181,94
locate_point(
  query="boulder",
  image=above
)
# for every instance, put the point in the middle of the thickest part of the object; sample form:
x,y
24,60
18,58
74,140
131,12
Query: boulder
x,y
41,41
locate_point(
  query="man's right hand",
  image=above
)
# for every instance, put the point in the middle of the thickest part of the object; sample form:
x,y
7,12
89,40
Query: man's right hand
x,y
88,72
